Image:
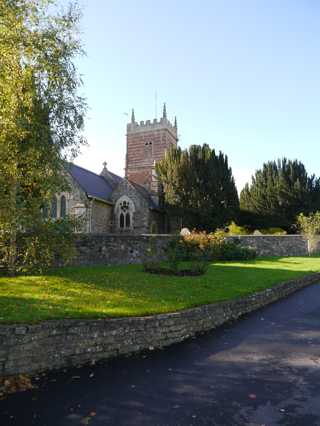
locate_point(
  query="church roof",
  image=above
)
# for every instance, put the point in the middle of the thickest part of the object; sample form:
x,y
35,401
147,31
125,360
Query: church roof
x,y
94,185
101,187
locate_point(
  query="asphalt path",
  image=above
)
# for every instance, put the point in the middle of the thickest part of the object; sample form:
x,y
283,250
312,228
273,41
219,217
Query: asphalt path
x,y
261,370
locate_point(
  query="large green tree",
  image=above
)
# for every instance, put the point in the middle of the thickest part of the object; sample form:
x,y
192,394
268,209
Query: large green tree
x,y
278,193
198,187
41,112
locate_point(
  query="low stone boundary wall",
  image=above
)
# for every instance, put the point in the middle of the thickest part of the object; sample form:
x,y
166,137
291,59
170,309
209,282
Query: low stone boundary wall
x,y
274,245
30,349
108,249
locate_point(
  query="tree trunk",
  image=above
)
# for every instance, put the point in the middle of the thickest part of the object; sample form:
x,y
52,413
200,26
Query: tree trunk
x,y
12,252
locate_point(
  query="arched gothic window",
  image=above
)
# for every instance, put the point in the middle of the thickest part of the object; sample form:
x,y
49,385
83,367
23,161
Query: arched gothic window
x,y
45,211
54,208
121,220
63,206
124,211
128,221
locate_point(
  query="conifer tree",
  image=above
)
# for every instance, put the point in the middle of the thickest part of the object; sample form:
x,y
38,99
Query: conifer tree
x,y
198,187
279,192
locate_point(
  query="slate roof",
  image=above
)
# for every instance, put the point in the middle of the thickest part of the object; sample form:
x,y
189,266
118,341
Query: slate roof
x,y
94,185
97,186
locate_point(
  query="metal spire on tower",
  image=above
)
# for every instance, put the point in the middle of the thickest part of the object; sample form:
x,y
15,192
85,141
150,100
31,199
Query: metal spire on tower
x,y
133,118
164,115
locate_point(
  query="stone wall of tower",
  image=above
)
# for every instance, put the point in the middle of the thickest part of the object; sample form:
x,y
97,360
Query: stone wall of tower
x,y
147,143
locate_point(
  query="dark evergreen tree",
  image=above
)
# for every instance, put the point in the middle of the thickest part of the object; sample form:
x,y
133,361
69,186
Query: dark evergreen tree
x,y
278,193
198,187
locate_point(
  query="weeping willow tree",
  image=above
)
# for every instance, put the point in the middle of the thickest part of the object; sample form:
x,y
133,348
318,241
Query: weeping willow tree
x,y
41,111
198,187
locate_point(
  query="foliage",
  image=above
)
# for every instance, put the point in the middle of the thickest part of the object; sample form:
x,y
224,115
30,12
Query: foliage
x,y
198,187
309,225
192,268
46,243
41,113
207,247
234,229
231,251
174,264
116,291
278,192
272,231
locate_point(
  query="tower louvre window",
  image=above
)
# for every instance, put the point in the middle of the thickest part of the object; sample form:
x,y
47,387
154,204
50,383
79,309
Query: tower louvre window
x,y
148,149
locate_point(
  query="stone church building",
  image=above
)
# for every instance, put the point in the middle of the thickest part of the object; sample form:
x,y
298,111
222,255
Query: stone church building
x,y
111,204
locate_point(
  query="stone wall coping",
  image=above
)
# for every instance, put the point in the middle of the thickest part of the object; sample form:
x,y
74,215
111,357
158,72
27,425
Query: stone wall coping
x,y
267,235
128,235
125,235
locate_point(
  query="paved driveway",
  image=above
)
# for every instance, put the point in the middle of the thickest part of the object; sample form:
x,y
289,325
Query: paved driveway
x,y
262,370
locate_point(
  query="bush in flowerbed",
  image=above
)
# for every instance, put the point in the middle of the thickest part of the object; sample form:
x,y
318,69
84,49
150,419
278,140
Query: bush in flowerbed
x,y
179,262
182,269
208,247
233,251
191,254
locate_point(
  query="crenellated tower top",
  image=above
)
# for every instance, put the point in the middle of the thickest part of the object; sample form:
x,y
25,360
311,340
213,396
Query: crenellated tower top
x,y
148,125
147,143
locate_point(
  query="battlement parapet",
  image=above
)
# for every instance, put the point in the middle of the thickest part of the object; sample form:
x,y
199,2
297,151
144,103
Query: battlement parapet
x,y
148,125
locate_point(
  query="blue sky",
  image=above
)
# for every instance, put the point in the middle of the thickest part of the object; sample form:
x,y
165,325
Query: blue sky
x,y
241,75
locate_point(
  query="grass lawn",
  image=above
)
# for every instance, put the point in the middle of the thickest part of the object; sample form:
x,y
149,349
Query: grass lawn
x,y
113,291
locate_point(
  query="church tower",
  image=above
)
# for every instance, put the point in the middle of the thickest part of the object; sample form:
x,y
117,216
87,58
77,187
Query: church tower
x,y
147,143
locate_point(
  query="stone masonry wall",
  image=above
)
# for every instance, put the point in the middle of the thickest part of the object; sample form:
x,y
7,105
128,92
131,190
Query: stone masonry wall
x,y
30,349
103,249
114,249
273,245
101,216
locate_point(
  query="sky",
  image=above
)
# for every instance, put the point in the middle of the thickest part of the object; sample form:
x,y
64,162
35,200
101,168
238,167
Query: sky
x,y
240,75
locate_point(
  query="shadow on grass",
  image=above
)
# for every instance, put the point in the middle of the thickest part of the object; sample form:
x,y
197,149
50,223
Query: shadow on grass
x,y
224,376
109,291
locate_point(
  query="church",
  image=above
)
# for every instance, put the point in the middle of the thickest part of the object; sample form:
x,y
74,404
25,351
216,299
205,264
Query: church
x,y
112,204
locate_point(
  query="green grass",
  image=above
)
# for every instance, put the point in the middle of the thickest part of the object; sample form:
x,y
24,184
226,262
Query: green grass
x,y
93,292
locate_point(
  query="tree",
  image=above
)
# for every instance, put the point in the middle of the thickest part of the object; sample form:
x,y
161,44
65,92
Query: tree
x,y
278,193
198,187
309,226
41,112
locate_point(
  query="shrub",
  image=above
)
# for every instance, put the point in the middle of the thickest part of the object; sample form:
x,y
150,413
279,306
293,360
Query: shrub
x,y
200,246
273,231
232,251
310,228
177,253
234,229
46,244
192,268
